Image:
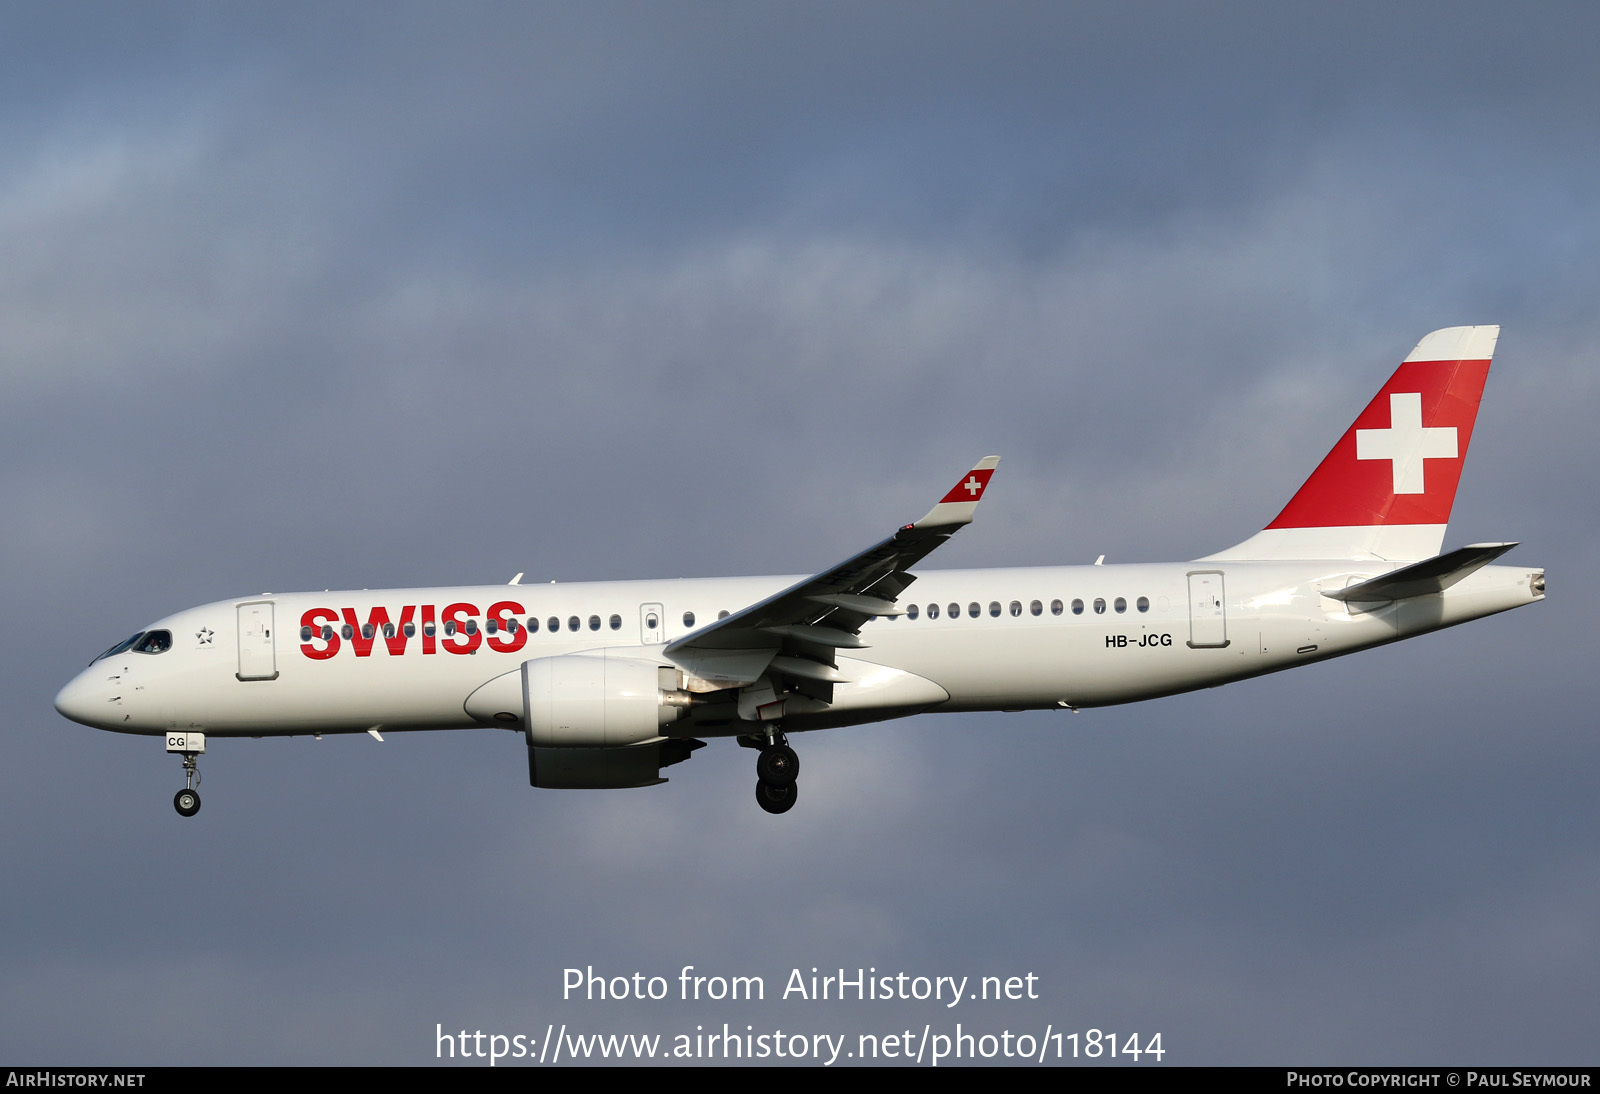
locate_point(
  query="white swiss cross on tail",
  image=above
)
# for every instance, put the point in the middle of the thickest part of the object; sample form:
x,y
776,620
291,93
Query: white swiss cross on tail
x,y
1386,489
1406,443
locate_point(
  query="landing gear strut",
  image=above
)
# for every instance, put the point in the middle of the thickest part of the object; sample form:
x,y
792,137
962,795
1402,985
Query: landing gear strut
x,y
187,801
777,767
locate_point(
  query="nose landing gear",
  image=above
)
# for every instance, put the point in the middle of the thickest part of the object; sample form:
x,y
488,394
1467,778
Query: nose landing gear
x,y
189,746
186,802
777,767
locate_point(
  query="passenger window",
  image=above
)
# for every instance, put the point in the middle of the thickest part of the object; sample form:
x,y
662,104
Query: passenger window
x,y
688,619
1099,605
573,623
1036,608
512,625
347,631
1016,608
491,627
388,630
410,630
1120,604
367,631
1143,603
533,624
933,611
472,626
554,624
1077,607
305,634
616,622
1055,606
449,628
723,614
911,611
994,609
974,609
430,628
955,611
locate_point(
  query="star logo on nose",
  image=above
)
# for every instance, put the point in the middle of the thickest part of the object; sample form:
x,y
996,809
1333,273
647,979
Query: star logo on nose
x,y
204,634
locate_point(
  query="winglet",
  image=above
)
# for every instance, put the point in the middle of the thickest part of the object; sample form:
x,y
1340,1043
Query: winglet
x,y
961,502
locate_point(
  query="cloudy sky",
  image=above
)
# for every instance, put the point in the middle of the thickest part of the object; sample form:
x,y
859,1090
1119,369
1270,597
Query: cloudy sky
x,y
335,295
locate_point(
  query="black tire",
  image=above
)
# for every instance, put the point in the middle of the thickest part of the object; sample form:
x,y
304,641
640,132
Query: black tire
x,y
186,802
778,765
776,798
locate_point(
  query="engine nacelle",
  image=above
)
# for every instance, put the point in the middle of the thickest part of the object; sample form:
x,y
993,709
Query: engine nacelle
x,y
600,699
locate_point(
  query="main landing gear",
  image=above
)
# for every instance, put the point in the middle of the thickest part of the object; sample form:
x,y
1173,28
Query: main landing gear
x,y
777,767
187,801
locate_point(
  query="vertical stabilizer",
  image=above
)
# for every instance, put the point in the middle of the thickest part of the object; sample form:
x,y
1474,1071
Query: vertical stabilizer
x,y
1386,489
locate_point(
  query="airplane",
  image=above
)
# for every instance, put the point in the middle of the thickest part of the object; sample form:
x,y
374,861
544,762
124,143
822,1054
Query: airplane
x,y
612,682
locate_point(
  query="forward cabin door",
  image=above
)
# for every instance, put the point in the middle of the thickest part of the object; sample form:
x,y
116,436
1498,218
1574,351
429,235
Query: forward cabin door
x,y
257,661
1208,613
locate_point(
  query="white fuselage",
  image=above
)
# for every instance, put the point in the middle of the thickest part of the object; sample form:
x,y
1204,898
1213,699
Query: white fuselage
x,y
247,668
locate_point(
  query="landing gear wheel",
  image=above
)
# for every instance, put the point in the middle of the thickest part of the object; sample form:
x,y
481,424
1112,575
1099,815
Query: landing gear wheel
x,y
778,765
186,802
776,798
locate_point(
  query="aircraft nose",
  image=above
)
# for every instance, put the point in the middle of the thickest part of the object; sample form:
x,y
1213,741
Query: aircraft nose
x,y
80,700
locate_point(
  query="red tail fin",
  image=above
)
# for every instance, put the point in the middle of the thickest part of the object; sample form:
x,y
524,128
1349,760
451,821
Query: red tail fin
x,y
1386,489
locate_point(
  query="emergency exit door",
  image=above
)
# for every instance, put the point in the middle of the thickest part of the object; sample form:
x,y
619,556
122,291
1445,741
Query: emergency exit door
x,y
652,624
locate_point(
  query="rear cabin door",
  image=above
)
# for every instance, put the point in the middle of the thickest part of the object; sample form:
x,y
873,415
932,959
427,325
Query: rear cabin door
x,y
1208,619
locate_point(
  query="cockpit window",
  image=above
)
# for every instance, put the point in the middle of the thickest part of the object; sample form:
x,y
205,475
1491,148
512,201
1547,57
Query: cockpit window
x,y
119,647
154,642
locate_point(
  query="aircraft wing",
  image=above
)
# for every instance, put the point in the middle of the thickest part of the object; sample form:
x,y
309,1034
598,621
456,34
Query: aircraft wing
x,y
795,632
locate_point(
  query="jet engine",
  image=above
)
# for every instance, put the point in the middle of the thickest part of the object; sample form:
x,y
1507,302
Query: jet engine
x,y
598,700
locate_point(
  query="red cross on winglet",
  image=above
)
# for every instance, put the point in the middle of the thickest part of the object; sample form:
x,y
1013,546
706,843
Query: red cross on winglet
x,y
970,488
958,505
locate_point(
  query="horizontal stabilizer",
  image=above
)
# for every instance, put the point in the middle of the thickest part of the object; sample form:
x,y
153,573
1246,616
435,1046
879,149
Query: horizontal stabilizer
x,y
1431,575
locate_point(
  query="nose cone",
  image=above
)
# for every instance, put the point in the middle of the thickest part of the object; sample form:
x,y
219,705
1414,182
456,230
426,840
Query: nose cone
x,y
84,700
